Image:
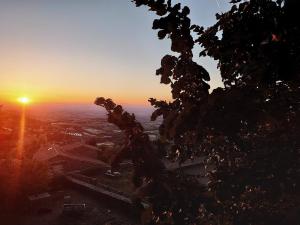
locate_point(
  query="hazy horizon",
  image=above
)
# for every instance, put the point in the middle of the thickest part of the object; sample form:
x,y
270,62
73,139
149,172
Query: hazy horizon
x,y
48,110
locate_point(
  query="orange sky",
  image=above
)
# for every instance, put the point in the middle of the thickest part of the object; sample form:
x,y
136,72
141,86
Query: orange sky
x,y
62,52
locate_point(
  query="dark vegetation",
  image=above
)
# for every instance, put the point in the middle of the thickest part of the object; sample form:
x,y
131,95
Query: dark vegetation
x,y
248,130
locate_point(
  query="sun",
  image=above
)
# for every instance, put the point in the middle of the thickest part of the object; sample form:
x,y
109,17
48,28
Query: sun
x,y
24,100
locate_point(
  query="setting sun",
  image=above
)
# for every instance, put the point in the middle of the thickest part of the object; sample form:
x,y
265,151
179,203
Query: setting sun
x,y
24,100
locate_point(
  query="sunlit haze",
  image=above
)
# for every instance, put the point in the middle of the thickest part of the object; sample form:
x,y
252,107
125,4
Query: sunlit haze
x,y
24,100
62,51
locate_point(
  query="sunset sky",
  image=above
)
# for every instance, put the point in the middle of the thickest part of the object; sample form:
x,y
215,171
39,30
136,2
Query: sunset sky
x,y
64,51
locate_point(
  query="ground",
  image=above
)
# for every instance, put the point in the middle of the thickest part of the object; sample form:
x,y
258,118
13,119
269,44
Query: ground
x,y
122,183
97,213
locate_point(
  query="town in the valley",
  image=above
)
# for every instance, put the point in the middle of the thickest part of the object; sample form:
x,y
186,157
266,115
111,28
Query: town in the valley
x,y
76,146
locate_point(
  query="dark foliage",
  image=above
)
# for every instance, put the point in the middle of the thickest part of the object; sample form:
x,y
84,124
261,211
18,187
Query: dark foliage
x,y
137,147
248,131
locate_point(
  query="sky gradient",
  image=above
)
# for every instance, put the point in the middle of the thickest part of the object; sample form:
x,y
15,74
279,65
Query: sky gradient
x,y
66,51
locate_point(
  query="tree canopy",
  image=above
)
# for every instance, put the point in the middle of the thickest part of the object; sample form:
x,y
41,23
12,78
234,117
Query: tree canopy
x,y
247,131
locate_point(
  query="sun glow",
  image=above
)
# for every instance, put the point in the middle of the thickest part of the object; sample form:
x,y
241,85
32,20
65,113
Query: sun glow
x,y
24,100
